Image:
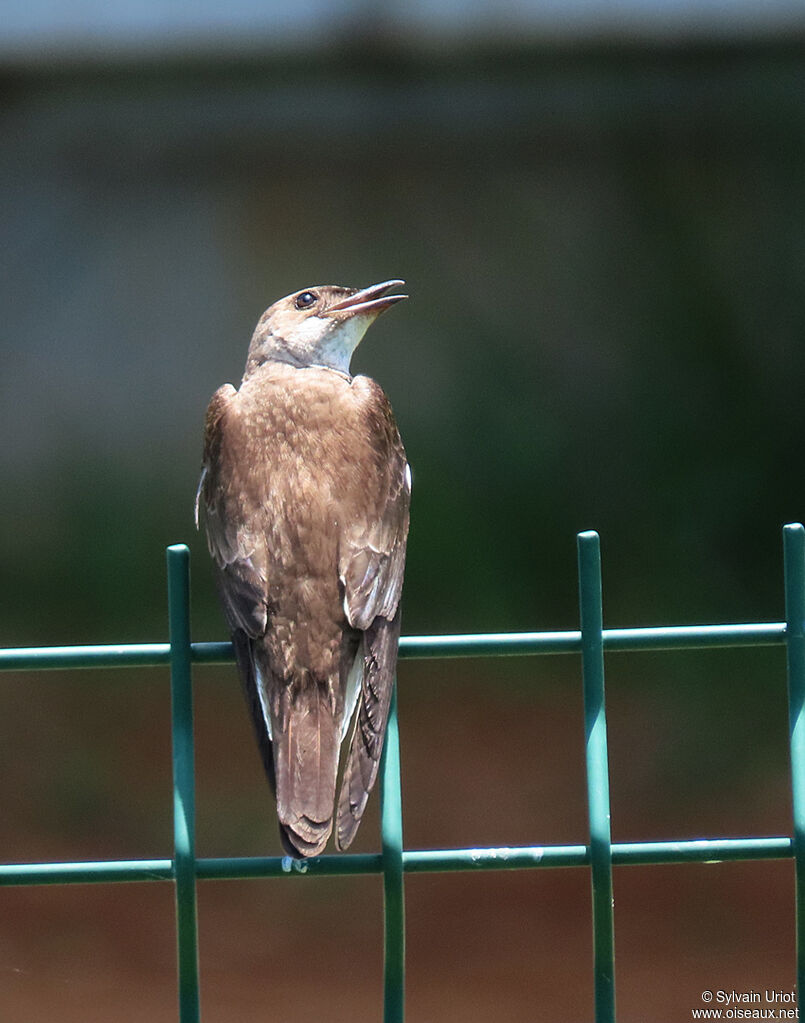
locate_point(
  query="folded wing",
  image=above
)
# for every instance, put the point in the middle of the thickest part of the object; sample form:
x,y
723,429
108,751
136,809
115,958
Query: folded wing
x,y
371,570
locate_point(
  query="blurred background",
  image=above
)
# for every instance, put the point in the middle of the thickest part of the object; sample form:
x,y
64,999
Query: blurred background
x,y
599,211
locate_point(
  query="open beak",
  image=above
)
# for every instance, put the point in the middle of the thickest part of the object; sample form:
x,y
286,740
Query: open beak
x,y
371,299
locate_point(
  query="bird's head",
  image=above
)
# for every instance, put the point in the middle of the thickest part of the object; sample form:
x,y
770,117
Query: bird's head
x,y
319,326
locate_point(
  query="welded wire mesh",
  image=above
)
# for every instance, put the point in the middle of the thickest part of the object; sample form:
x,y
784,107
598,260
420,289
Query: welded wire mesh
x,y
590,642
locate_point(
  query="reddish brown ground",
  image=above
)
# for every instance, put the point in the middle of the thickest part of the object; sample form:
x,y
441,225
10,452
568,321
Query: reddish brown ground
x,y
487,760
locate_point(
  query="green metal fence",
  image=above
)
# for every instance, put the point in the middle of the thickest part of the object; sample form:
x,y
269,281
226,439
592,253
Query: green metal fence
x,y
394,861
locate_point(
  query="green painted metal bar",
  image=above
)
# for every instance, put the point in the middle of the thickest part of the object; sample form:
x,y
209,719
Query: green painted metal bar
x,y
508,644
703,850
794,559
212,653
392,860
414,861
91,872
67,658
492,644
674,637
592,661
694,637
183,782
715,850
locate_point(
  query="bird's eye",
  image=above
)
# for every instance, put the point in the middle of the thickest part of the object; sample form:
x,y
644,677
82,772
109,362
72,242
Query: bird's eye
x,y
306,299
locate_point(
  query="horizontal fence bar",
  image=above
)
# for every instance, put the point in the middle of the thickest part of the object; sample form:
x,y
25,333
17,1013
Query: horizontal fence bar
x,y
671,637
415,861
694,637
89,872
43,658
494,644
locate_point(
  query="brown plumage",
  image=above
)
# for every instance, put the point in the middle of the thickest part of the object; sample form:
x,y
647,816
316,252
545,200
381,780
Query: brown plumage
x,y
305,489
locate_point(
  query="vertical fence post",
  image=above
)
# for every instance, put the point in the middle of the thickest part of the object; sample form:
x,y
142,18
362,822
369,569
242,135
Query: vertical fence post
x,y
393,894
794,555
184,863
592,662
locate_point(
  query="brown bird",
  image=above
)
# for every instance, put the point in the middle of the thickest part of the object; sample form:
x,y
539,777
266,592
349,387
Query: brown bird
x,y
306,488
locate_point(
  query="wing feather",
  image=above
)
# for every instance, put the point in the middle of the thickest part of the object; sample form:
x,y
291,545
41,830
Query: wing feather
x,y
372,559
369,728
371,570
238,552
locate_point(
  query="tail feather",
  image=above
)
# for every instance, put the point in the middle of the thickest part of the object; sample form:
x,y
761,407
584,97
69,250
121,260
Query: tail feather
x,y
299,735
305,765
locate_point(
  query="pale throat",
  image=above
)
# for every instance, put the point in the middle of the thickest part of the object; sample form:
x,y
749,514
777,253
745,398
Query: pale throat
x,y
333,348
